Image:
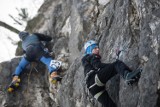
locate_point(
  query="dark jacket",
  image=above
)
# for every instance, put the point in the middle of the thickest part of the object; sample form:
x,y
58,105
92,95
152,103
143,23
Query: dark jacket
x,y
33,47
92,62
34,39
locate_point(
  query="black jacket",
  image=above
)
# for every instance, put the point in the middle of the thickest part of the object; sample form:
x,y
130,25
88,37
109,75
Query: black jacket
x,y
34,39
92,62
43,37
33,47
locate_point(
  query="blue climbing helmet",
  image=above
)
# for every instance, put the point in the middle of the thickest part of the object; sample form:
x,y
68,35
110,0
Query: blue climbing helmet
x,y
89,46
23,35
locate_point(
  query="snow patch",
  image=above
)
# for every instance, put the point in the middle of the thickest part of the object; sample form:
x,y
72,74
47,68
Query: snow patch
x,y
103,2
7,44
67,28
9,39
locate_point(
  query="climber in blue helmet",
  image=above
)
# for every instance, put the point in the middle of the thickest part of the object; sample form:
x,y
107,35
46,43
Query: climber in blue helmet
x,y
34,51
98,73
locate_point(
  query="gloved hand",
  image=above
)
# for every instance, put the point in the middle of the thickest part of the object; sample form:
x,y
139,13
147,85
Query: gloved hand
x,y
132,77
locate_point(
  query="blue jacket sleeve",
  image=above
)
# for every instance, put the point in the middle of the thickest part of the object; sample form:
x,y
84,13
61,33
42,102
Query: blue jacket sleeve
x,y
23,63
47,61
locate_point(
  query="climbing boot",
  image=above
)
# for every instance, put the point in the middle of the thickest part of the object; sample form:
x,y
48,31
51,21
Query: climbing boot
x,y
14,84
54,77
132,77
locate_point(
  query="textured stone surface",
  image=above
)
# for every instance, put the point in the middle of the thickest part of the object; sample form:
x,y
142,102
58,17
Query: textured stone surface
x,y
130,25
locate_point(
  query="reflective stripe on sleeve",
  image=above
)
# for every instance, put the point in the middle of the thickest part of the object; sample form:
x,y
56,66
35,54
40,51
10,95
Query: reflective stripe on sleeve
x,y
98,94
98,82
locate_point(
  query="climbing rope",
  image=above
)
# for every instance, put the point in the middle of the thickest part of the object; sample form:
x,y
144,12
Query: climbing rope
x,y
32,66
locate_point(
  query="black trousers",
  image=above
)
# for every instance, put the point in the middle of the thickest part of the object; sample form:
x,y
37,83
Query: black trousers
x,y
106,73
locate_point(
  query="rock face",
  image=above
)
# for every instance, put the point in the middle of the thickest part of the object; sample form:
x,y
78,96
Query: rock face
x,y
130,25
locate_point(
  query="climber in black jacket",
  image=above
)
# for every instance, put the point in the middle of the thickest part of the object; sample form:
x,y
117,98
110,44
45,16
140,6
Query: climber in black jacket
x,y
97,73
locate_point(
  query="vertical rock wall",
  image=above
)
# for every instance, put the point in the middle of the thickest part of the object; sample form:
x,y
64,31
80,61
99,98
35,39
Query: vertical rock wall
x,y
130,25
